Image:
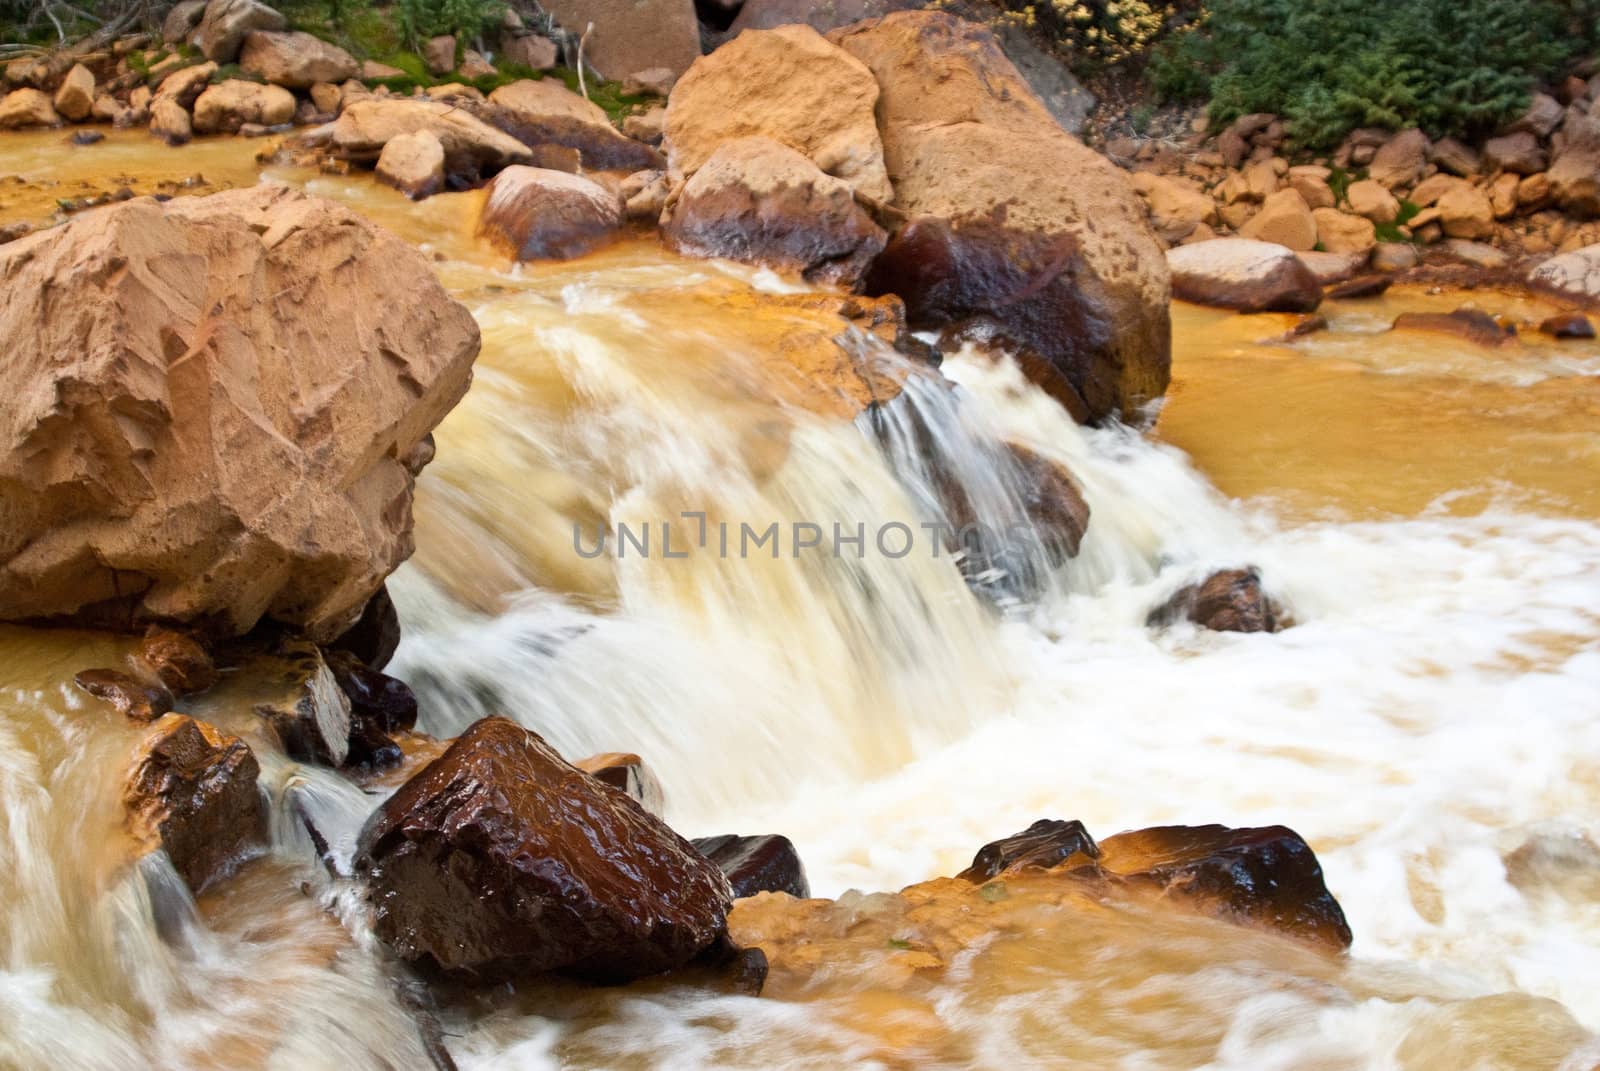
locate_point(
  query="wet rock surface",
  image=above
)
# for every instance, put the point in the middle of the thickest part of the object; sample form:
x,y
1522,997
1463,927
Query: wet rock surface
x,y
765,863
500,859
178,660
134,698
1470,325
628,774
1231,600
310,715
535,213
192,792
1048,843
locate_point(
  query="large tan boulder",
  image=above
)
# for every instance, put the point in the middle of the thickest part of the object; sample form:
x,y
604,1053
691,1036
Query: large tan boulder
x,y
544,112
413,164
472,148
296,60
535,213
226,23
1285,219
1465,211
787,84
191,436
763,203
1177,206
1343,232
75,97
226,106
170,121
1372,200
1311,182
631,35
1236,273
24,108
1014,227
185,84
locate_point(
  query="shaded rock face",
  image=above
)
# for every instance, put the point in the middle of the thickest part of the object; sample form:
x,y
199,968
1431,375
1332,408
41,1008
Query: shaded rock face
x,y
1048,843
1268,876
1236,273
380,707
760,202
472,148
296,60
538,214
627,773
192,792
311,717
499,859
767,863
1569,325
544,112
200,441
376,633
1231,600
789,85
1012,220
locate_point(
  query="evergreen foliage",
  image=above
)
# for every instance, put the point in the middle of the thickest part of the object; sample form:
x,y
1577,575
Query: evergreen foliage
x,y
1456,67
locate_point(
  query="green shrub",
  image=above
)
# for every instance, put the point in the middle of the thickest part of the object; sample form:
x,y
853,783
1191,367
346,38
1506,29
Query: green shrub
x,y
1457,67
422,19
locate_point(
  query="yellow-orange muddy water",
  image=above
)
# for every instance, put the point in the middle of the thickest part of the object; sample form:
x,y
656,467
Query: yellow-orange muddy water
x,y
1426,511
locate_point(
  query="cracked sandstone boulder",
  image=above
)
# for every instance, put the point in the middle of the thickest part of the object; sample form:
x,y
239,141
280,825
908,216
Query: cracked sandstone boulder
x,y
214,409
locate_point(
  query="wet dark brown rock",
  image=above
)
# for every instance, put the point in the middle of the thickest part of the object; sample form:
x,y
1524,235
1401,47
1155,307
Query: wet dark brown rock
x,y
177,660
1307,324
376,633
766,863
311,715
627,773
1470,325
1048,843
192,792
1228,601
1268,876
1053,501
1367,286
380,706
500,859
1568,325
136,699
757,201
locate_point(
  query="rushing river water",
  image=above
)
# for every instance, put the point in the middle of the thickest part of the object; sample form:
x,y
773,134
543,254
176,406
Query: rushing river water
x,y
1429,513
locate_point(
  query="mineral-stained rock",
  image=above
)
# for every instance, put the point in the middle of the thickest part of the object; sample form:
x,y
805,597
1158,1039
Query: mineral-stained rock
x,y
178,661
413,164
1331,268
1519,153
1471,325
185,84
1231,600
135,699
1366,286
1285,219
311,715
227,106
1236,273
226,23
787,84
1343,232
1574,174
538,214
761,202
1052,501
192,792
170,122
1567,325
1013,223
199,441
499,859
543,111
472,148
627,773
1575,274
296,60
631,35
766,863
1048,843
1267,877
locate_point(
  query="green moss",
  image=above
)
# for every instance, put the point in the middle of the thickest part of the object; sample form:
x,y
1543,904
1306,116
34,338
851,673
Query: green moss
x,y
1339,181
1408,212
608,95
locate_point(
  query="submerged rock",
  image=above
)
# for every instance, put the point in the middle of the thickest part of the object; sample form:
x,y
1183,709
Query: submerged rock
x,y
135,699
499,859
1469,325
1567,326
199,441
192,793
766,863
1012,222
760,202
535,213
1231,600
1236,273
